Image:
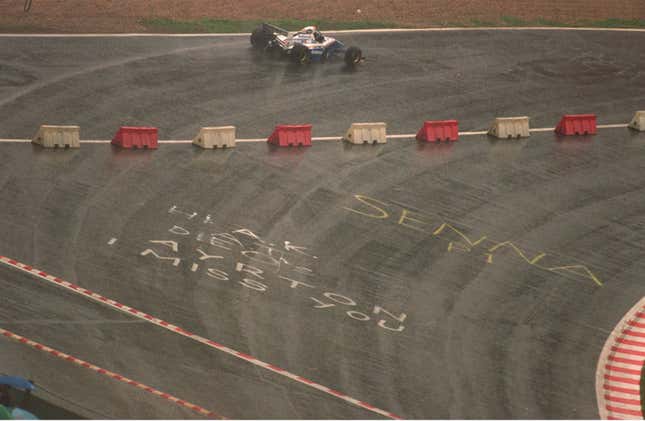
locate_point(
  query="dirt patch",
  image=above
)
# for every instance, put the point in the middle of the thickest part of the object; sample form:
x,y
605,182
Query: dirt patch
x,y
126,15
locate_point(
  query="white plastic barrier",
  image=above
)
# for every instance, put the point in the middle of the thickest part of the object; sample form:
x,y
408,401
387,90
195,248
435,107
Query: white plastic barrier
x,y
360,133
638,122
58,136
215,137
510,127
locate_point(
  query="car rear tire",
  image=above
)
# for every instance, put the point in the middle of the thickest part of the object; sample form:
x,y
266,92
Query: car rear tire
x,y
353,56
300,54
259,38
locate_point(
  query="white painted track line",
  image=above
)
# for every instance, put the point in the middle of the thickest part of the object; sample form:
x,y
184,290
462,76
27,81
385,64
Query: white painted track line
x,y
250,140
480,132
612,126
132,35
343,31
496,28
96,297
400,136
328,138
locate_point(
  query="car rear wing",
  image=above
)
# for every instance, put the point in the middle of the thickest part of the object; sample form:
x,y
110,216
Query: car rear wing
x,y
267,27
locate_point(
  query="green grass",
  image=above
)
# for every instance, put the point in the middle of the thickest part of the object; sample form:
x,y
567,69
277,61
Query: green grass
x,y
236,26
615,23
547,22
23,29
481,23
512,21
517,22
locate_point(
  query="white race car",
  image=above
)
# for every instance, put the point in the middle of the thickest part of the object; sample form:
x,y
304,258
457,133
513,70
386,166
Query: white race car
x,y
304,46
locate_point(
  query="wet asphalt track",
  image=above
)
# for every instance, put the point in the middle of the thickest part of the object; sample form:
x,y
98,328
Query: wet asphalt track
x,y
487,334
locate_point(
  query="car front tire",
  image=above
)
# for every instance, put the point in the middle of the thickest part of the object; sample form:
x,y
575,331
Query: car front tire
x,y
353,56
300,54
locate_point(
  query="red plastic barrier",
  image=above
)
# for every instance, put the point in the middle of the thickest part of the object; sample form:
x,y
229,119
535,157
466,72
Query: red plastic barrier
x,y
136,137
579,124
433,131
291,135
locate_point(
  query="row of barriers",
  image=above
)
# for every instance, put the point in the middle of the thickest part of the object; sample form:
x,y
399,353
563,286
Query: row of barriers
x,y
300,135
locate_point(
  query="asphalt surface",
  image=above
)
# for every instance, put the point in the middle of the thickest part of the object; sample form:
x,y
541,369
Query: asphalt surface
x,y
488,332
182,84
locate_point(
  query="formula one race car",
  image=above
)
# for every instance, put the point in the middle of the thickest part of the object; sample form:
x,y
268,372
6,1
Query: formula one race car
x,y
304,46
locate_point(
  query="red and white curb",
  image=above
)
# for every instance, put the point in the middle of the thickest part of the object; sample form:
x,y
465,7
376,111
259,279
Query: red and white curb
x,y
109,373
37,273
618,374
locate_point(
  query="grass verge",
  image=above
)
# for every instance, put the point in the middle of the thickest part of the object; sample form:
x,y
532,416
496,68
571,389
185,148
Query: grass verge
x,y
605,23
23,29
243,26
238,26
